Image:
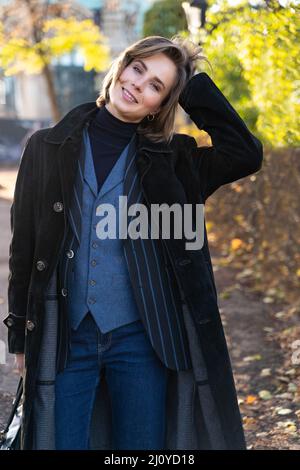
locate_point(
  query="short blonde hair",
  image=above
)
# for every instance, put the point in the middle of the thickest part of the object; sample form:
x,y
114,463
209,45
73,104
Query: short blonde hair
x,y
183,52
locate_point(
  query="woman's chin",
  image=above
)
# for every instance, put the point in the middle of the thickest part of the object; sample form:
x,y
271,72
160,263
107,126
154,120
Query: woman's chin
x,y
127,112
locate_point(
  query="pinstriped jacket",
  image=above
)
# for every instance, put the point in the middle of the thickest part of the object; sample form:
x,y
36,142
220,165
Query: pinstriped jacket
x,y
178,172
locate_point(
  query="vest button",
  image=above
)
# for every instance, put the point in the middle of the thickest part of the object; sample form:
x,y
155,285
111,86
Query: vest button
x,y
30,325
58,206
64,292
95,245
93,262
91,300
70,254
40,265
92,282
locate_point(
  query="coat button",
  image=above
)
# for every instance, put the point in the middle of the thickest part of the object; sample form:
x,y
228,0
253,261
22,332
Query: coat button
x,y
40,265
183,262
58,206
9,322
64,292
70,254
30,325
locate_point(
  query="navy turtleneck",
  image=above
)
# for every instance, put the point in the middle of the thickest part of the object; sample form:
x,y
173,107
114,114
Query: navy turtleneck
x,y
108,136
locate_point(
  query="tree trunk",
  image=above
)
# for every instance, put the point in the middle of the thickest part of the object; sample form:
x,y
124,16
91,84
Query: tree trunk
x,y
47,73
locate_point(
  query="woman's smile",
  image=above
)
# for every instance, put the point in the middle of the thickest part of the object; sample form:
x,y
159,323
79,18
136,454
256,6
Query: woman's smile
x,y
127,96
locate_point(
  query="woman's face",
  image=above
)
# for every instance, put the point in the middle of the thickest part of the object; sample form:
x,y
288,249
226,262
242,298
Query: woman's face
x,y
148,80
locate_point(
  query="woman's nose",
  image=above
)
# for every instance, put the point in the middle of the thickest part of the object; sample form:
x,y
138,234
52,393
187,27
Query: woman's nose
x,y
139,84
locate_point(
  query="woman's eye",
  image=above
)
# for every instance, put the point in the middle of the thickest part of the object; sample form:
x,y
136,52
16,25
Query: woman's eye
x,y
156,87
136,68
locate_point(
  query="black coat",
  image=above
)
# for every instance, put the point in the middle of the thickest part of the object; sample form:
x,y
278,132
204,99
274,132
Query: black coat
x,y
46,177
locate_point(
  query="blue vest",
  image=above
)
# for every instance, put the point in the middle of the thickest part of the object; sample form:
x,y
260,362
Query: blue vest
x,y
99,281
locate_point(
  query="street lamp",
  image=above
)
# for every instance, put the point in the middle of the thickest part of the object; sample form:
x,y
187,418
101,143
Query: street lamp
x,y
202,5
195,11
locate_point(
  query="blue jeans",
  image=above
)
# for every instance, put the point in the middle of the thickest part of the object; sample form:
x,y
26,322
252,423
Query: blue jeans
x,y
137,383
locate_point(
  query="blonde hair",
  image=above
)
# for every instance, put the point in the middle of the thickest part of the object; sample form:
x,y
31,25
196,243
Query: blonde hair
x,y
183,52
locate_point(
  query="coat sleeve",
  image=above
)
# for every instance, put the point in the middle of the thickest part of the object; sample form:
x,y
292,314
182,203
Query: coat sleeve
x,y
21,249
235,152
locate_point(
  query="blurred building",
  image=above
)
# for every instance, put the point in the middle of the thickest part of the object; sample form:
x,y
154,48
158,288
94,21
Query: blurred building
x,y
25,96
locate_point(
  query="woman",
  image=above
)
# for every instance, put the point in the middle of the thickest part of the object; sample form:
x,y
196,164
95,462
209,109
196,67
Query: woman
x,y
123,342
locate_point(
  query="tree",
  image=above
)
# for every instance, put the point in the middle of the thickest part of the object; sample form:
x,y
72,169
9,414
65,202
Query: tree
x,y
255,56
254,52
164,18
33,33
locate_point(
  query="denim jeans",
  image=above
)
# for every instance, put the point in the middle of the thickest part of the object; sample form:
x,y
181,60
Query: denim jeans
x,y
136,380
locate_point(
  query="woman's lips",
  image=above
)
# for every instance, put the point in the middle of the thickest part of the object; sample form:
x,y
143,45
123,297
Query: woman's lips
x,y
127,97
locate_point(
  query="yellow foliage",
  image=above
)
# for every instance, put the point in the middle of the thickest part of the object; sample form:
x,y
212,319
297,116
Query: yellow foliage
x,y
209,225
61,36
238,188
236,243
250,399
256,61
239,218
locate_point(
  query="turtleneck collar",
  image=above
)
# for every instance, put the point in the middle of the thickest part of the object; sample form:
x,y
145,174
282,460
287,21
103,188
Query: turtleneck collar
x,y
104,119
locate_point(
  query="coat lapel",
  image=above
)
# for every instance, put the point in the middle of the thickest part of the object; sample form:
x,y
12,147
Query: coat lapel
x,y
89,175
130,170
75,209
67,135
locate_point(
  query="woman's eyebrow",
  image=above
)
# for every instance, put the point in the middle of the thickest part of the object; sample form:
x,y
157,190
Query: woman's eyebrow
x,y
146,68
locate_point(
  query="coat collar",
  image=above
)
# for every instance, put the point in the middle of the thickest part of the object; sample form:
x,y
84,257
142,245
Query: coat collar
x,y
71,125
